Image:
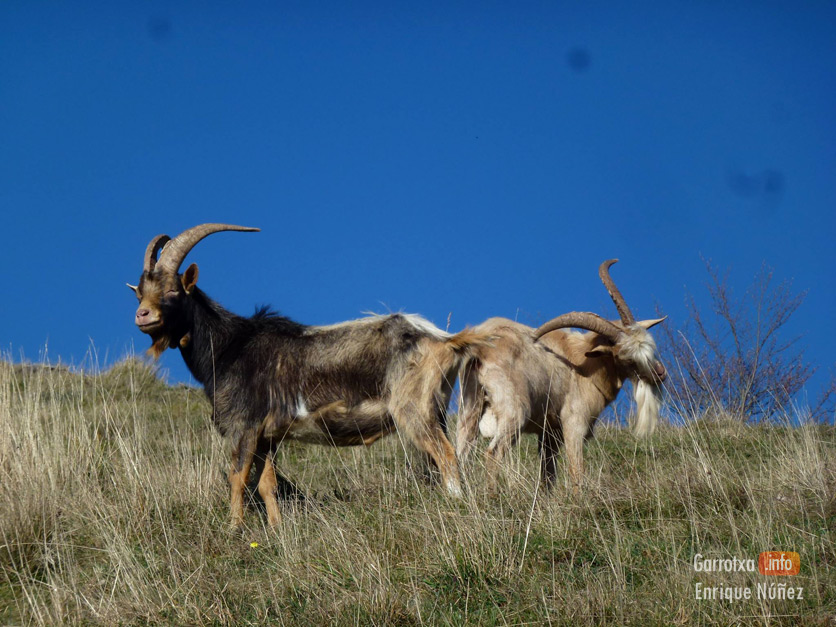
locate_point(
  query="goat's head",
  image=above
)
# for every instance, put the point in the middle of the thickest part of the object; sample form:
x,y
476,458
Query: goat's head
x,y
629,343
162,290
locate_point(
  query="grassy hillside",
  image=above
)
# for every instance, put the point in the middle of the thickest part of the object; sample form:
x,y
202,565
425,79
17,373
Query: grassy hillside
x,y
113,510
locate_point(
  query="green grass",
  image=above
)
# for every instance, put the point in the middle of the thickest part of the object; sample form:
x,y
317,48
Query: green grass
x,y
113,510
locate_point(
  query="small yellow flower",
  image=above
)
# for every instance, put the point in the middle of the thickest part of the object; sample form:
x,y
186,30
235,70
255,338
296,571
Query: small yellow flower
x,y
254,545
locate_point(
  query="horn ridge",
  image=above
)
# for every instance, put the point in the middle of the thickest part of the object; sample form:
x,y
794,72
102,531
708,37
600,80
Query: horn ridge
x,y
175,250
151,251
580,320
620,304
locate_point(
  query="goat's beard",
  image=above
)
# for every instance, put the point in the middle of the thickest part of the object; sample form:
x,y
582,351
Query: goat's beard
x,y
159,342
648,403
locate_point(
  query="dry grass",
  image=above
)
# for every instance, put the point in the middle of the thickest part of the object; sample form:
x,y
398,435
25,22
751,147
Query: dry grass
x,y
114,510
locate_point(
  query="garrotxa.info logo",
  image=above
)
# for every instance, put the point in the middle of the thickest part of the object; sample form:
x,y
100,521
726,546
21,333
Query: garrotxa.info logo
x,y
783,563
780,563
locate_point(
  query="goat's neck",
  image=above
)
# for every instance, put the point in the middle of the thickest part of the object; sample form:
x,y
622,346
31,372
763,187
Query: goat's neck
x,y
598,370
208,331
606,380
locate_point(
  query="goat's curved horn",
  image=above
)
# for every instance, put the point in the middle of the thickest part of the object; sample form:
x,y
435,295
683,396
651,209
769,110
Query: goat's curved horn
x,y
581,320
152,250
623,310
175,251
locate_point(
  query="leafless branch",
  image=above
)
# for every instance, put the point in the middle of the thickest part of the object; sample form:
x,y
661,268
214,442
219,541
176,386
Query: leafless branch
x,y
735,358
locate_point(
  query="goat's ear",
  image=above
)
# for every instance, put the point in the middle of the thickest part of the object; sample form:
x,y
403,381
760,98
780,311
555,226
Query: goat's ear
x,y
189,278
646,324
599,351
134,289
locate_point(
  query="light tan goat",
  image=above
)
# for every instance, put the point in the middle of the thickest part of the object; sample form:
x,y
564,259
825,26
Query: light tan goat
x,y
554,382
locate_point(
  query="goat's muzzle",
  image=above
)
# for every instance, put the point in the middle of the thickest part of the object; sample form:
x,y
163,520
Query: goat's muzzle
x,y
146,321
660,371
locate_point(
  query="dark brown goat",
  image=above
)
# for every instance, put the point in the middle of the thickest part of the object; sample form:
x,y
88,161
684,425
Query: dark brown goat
x,y
269,378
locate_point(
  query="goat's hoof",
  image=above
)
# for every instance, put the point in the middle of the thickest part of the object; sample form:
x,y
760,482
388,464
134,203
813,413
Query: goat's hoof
x,y
454,489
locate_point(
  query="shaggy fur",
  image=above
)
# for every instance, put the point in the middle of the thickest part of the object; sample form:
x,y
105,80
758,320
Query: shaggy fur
x,y
648,403
554,387
270,378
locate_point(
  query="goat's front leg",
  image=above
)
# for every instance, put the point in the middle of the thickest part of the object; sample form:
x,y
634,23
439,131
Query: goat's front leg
x,y
267,482
574,432
243,453
506,436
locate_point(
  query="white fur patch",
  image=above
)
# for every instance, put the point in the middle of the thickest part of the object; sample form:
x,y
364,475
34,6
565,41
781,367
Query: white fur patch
x,y
638,348
419,323
425,326
301,408
373,319
488,424
303,428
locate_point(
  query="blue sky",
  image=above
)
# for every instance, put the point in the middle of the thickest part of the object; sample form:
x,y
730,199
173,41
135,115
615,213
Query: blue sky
x,y
462,159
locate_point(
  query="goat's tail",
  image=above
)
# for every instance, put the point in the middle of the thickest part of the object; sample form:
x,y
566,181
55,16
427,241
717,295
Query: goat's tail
x,y
648,403
465,342
433,375
465,346
447,355
440,364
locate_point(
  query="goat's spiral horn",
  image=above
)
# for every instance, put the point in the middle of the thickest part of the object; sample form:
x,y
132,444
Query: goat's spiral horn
x,y
175,250
623,310
151,252
581,320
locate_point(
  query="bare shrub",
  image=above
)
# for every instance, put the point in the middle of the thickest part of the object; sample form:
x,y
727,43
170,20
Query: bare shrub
x,y
734,357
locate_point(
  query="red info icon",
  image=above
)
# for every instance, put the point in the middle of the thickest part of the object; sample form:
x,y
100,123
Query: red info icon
x,y
779,563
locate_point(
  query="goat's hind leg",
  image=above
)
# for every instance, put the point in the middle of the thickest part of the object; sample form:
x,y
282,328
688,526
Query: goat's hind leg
x,y
418,406
431,440
506,436
421,423
507,415
550,439
471,407
363,423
